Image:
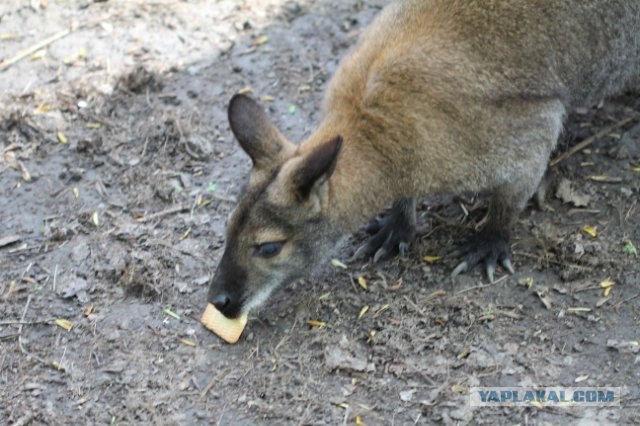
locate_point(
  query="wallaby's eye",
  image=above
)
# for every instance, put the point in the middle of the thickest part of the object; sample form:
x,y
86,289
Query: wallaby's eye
x,y
270,249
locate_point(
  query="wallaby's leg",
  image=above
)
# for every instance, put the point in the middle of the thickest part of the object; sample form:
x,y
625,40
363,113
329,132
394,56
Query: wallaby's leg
x,y
491,244
529,155
394,234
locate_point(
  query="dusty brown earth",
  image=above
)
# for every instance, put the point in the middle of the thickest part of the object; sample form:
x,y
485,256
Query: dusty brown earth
x,y
117,171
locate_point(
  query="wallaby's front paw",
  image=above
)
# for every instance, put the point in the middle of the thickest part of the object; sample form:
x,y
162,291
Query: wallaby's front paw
x,y
491,248
390,235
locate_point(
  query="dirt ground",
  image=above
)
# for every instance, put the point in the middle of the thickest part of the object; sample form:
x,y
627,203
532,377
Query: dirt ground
x,y
118,171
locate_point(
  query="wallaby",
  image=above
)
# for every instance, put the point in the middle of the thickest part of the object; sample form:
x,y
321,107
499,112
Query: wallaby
x,y
437,96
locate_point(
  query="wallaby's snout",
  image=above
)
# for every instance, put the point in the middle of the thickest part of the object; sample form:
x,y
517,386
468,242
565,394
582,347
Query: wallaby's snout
x,y
227,287
280,227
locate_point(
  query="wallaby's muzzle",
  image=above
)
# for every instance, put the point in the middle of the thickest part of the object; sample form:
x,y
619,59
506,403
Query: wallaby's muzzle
x,y
227,287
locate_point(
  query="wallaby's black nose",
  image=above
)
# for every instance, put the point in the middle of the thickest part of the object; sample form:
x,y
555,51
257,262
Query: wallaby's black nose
x,y
221,301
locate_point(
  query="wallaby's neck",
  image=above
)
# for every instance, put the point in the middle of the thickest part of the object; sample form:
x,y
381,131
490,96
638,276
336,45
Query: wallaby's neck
x,y
363,181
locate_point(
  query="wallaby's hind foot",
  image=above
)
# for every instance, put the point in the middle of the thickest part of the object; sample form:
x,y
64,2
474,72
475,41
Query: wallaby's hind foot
x,y
392,234
490,247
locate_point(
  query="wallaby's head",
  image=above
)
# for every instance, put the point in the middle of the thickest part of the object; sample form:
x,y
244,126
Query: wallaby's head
x,y
280,227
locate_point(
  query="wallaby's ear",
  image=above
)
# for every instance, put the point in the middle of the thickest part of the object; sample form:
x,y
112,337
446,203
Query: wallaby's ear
x,y
316,168
255,132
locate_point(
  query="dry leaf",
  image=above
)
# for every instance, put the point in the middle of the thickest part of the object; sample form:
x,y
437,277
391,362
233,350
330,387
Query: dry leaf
x,y
465,353
76,191
581,378
72,58
10,239
607,291
568,194
261,40
95,219
188,342
431,259
185,235
319,324
62,138
66,324
38,55
172,314
26,176
362,282
267,99
459,389
606,283
359,421
363,311
88,311
590,230
543,295
245,90
42,108
381,309
527,282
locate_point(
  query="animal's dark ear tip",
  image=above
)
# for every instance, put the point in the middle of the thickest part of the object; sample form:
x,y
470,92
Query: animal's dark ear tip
x,y
239,99
338,142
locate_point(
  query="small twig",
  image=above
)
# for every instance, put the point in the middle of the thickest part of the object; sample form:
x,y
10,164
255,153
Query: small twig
x,y
555,262
481,286
414,306
617,305
23,322
167,212
588,141
46,321
24,314
55,277
10,336
38,46
46,42
305,414
212,383
586,211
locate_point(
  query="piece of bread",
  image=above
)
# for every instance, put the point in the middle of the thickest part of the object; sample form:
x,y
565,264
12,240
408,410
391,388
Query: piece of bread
x,y
228,329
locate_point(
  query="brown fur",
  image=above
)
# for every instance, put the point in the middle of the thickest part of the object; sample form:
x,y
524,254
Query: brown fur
x,y
437,96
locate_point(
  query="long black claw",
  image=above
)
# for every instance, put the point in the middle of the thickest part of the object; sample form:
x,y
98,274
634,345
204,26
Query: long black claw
x,y
490,248
460,269
403,247
490,269
359,254
392,234
506,264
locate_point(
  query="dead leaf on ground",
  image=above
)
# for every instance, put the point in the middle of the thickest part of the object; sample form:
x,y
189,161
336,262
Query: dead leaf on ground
x,y
9,239
568,194
66,324
362,282
543,295
591,231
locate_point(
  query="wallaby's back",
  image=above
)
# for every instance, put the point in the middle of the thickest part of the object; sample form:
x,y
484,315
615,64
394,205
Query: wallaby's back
x,y
578,50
